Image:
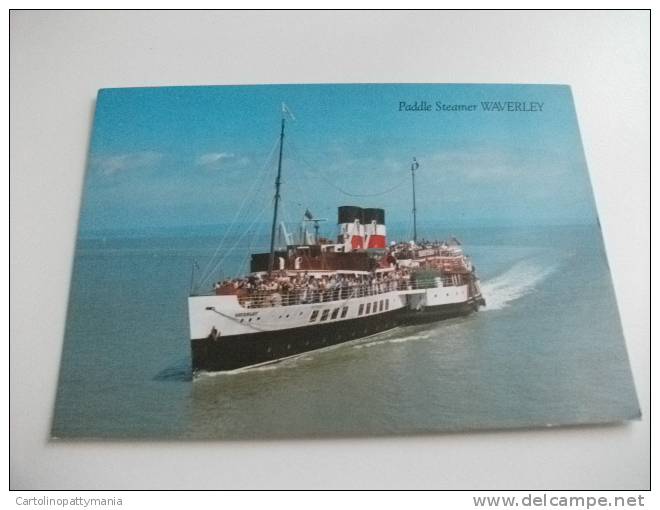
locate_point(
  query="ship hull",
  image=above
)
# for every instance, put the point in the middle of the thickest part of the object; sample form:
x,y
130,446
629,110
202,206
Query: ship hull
x,y
439,312
242,351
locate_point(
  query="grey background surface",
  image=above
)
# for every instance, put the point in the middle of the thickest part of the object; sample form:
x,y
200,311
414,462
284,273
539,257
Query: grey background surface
x,y
60,59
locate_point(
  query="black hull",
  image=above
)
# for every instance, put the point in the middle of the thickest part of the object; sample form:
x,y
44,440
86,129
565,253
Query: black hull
x,y
239,351
438,313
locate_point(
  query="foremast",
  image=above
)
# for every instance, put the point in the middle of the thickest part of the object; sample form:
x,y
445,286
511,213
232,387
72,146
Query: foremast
x,y
278,180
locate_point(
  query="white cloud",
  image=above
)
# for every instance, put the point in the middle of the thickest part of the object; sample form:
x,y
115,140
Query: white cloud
x,y
111,165
214,159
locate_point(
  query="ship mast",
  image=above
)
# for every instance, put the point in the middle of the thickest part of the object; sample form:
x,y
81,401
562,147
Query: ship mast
x,y
271,256
414,167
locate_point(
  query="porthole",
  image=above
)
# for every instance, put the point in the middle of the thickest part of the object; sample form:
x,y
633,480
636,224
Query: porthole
x,y
288,347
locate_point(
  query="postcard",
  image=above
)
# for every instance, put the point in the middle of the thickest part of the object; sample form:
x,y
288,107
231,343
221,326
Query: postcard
x,y
288,261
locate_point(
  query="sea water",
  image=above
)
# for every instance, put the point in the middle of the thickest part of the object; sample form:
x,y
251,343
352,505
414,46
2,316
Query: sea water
x,y
547,349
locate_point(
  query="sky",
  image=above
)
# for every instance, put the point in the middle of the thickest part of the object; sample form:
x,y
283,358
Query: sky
x,y
190,156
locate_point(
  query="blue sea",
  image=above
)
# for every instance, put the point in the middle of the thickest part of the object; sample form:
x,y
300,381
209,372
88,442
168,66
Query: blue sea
x,y
547,350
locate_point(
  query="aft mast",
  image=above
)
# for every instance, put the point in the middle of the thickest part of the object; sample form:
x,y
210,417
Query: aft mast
x,y
414,167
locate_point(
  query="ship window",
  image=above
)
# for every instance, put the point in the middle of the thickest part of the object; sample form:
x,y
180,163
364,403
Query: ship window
x,y
361,309
344,311
387,304
375,306
368,308
314,315
381,306
335,312
325,313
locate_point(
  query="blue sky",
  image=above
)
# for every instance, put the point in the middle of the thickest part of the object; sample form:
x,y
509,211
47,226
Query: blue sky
x,y
179,156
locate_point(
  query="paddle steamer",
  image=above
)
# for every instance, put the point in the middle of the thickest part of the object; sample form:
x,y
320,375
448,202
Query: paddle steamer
x,y
319,293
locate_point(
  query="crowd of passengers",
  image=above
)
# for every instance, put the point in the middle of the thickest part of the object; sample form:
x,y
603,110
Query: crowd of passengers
x,y
408,250
278,288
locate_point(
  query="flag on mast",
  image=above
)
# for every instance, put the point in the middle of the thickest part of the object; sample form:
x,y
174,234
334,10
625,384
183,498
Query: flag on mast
x,y
286,111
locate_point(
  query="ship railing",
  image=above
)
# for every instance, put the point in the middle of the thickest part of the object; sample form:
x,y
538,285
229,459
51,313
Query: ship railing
x,y
427,253
271,298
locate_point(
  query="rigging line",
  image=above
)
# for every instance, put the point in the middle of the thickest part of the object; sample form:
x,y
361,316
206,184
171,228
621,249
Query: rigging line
x,y
228,232
241,268
341,190
214,310
254,193
238,240
220,262
295,183
258,231
292,202
256,182
284,216
299,192
410,227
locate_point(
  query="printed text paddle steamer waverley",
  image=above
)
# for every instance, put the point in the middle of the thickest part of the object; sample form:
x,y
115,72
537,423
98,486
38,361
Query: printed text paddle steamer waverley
x,y
320,293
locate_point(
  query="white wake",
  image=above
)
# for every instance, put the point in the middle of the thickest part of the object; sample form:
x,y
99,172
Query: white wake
x,y
518,281
397,340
